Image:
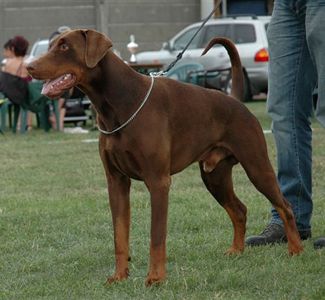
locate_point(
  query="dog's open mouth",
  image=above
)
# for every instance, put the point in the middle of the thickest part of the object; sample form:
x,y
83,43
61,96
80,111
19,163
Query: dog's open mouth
x,y
54,88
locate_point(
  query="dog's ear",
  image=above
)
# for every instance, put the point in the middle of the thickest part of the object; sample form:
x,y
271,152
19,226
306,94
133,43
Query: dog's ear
x,y
97,46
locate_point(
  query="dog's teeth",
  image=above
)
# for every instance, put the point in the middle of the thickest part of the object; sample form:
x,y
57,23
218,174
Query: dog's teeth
x,y
67,76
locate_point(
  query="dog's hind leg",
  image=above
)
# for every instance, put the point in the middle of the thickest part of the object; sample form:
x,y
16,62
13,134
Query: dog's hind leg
x,y
219,183
264,179
258,168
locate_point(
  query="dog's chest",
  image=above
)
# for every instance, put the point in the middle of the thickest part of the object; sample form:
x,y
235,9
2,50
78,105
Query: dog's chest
x,y
125,158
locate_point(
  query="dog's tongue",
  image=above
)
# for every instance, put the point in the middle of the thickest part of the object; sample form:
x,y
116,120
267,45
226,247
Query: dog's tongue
x,y
55,87
46,90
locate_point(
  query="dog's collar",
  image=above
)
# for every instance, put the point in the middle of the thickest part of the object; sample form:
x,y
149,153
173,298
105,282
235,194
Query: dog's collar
x,y
135,113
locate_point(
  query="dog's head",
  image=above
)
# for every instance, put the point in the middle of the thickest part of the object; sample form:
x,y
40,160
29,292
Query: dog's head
x,y
70,56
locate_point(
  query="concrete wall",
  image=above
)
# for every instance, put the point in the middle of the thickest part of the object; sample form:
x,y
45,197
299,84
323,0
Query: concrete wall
x,y
152,22
36,19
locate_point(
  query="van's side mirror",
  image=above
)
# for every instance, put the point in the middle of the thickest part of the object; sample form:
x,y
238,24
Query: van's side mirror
x,y
167,46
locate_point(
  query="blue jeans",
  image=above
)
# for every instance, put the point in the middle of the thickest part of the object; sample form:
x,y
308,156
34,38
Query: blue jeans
x,y
296,37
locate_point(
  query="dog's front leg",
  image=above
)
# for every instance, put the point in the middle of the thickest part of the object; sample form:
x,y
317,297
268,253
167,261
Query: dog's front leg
x,y
159,190
119,199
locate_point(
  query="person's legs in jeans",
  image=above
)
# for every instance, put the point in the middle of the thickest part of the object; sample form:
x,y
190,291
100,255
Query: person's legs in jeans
x,y
315,29
292,79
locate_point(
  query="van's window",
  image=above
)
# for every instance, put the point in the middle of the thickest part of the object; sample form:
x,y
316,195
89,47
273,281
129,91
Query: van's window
x,y
40,49
212,31
182,41
244,33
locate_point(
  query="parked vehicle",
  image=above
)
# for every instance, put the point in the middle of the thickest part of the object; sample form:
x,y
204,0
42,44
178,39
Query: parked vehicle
x,y
41,46
248,34
38,48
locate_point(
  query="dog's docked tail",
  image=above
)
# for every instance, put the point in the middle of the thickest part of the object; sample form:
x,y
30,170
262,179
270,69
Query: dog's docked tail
x,y
237,89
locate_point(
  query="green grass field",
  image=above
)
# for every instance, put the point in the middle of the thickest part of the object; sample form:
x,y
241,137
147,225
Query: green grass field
x,y
57,242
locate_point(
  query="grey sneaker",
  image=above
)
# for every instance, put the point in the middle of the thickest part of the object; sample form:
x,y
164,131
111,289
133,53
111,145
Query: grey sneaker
x,y
273,234
320,243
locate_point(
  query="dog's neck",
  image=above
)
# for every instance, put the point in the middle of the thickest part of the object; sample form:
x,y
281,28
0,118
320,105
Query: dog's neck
x,y
115,90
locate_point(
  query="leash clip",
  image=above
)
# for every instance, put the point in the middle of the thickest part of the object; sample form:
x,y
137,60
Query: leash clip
x,y
158,74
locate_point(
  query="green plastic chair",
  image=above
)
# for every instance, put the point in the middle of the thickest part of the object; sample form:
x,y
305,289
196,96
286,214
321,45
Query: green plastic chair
x,y
36,103
4,102
5,107
182,72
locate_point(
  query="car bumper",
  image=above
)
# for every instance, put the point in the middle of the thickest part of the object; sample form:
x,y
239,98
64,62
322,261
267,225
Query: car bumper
x,y
258,78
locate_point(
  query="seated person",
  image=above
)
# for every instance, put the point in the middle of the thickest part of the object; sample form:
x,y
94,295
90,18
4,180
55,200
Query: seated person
x,y
14,52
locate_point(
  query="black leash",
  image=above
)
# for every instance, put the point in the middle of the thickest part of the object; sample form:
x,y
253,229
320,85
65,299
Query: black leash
x,y
180,55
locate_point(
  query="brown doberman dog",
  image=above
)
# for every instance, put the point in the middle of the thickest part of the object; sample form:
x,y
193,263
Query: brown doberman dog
x,y
152,128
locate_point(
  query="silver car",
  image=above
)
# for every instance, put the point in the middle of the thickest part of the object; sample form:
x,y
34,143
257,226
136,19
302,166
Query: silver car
x,y
39,48
249,35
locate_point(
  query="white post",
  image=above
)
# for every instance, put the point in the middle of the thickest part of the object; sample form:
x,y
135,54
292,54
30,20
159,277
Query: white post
x,y
206,8
224,8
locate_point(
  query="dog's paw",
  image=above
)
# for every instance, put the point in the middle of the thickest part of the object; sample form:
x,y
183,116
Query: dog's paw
x,y
150,281
234,251
155,278
295,249
119,276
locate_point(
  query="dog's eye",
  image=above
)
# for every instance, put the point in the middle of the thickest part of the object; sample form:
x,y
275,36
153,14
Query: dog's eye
x,y
64,47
